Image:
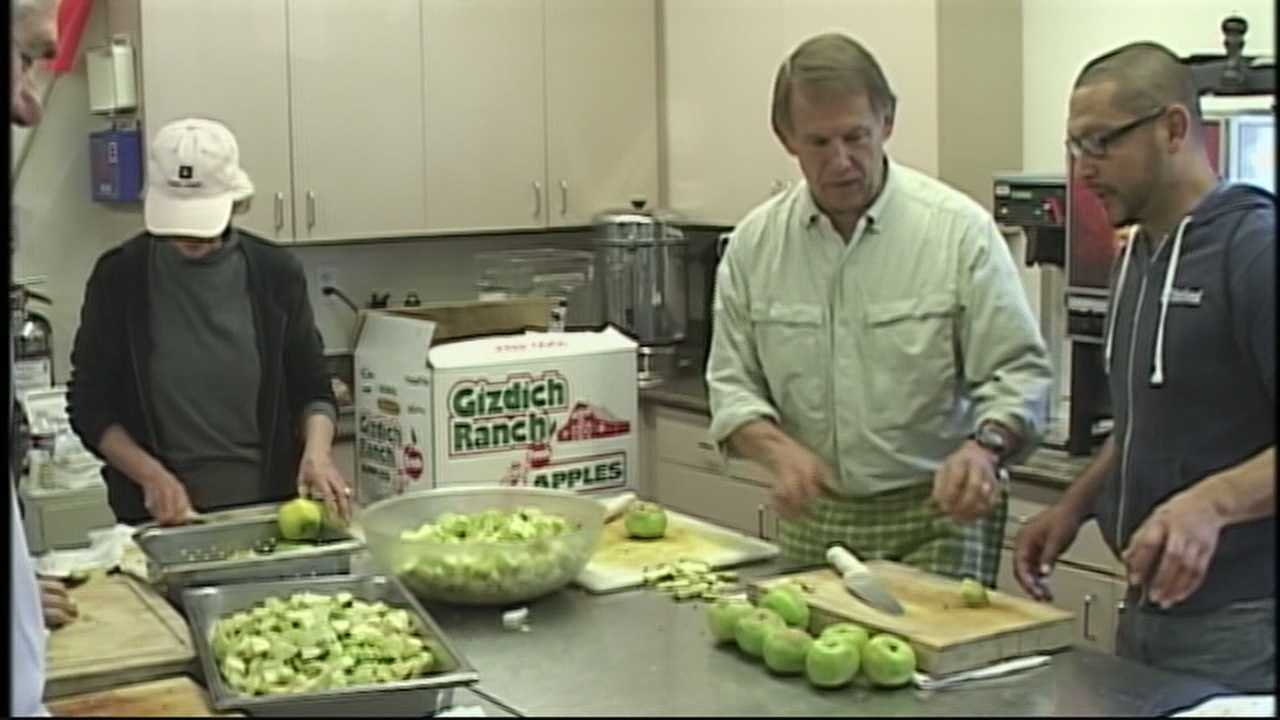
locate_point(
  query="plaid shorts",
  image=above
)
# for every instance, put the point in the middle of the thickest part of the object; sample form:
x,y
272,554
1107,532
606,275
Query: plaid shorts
x,y
903,526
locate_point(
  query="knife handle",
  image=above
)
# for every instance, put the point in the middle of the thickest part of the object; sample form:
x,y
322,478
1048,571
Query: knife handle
x,y
844,561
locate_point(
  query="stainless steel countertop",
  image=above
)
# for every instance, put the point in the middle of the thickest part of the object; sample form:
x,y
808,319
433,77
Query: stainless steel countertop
x,y
640,653
1045,466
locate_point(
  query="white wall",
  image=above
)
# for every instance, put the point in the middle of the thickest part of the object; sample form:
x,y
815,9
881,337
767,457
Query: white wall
x,y
1060,36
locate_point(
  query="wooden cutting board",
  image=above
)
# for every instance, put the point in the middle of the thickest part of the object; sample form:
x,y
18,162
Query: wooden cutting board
x,y
171,697
125,633
946,636
619,561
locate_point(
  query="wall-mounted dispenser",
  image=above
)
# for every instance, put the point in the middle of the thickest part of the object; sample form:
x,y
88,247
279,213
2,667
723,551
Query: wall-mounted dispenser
x,y
113,86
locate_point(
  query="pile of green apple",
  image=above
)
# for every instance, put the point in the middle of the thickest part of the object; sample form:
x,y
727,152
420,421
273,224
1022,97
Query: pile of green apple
x,y
776,631
312,642
494,553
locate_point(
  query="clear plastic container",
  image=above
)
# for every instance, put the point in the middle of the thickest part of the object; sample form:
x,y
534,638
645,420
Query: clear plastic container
x,y
535,272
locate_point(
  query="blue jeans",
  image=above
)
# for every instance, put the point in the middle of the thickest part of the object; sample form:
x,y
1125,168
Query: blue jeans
x,y
1234,645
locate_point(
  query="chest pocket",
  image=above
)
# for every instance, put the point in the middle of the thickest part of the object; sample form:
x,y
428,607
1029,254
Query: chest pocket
x,y
910,350
791,341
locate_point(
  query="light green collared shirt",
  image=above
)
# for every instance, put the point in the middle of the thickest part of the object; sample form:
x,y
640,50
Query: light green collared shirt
x,y
883,354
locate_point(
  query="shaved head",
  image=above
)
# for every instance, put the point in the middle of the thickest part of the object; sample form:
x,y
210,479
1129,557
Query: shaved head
x,y
1147,75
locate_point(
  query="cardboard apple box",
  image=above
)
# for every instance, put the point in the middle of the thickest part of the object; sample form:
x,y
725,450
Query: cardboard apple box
x,y
437,406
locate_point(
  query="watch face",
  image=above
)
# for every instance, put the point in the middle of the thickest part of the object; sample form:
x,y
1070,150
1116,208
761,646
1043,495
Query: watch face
x,y
991,439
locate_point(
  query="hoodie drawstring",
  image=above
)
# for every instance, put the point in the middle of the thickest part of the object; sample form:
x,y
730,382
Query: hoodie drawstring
x,y
1157,373
1115,303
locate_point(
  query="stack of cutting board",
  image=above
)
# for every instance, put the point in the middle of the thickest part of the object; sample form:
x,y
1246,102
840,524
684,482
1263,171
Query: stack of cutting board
x,y
125,633
947,636
619,561
172,697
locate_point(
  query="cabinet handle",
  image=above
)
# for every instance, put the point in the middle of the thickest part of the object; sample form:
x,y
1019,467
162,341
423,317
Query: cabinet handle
x,y
1088,605
564,198
706,445
279,211
537,199
760,521
311,209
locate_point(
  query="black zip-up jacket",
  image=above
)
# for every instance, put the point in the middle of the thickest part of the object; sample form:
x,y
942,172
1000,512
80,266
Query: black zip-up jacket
x,y
1193,378
109,382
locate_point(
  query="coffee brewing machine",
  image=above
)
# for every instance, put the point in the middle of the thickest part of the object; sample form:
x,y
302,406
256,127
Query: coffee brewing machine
x,y
1037,206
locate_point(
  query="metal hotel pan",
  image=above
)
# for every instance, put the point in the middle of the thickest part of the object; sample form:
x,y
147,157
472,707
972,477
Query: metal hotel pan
x,y
204,554
418,697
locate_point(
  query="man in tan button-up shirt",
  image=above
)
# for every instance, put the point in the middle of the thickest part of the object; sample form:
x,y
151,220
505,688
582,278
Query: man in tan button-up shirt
x,y
872,345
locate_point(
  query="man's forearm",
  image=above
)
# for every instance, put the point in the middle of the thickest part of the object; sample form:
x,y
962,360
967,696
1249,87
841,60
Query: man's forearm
x,y
1244,492
318,435
1083,491
759,441
127,456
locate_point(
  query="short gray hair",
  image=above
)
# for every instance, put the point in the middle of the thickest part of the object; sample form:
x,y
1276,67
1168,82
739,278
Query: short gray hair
x,y
831,60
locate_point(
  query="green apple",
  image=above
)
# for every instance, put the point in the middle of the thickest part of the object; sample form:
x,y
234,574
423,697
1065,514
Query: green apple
x,y
754,628
832,661
974,593
853,632
785,650
723,616
788,601
646,521
300,519
888,661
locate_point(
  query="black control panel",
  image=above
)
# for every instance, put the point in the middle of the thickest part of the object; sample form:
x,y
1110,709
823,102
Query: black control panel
x,y
1038,205
1031,202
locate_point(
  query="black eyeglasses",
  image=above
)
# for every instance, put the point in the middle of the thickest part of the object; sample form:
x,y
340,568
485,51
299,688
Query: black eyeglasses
x,y
1095,145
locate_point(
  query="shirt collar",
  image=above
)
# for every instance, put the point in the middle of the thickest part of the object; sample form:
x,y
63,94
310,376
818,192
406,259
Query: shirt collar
x,y
874,215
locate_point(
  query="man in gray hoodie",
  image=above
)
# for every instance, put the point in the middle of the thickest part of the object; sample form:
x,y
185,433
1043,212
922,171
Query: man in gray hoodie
x,y
1184,489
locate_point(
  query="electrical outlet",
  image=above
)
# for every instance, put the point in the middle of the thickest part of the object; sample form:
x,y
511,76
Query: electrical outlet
x,y
327,275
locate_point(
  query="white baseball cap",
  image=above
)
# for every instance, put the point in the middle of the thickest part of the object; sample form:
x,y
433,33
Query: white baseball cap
x,y
193,179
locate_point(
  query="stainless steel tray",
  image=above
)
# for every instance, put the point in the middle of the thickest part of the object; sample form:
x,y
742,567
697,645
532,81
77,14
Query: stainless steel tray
x,y
419,697
203,554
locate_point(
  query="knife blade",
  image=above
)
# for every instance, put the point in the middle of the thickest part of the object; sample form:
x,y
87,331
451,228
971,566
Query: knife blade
x,y
861,582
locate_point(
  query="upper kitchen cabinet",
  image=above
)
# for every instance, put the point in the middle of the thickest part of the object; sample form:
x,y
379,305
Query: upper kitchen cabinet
x,y
539,114
330,130
602,106
723,158
485,114
902,36
359,166
718,66
228,61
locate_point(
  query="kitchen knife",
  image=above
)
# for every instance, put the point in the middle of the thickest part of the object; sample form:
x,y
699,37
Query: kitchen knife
x,y
859,580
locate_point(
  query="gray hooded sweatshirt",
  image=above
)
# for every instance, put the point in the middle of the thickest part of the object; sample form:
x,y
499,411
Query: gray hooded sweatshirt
x,y
1191,357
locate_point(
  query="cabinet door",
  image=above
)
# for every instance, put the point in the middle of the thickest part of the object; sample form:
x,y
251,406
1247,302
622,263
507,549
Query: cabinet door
x,y
602,107
717,498
1094,598
359,165
247,88
911,67
718,66
486,122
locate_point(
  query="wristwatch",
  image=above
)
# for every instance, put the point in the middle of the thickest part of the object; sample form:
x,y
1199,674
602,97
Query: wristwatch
x,y
990,438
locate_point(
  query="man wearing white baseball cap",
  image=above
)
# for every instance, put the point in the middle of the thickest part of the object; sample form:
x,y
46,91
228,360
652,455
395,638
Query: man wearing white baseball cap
x,y
197,373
